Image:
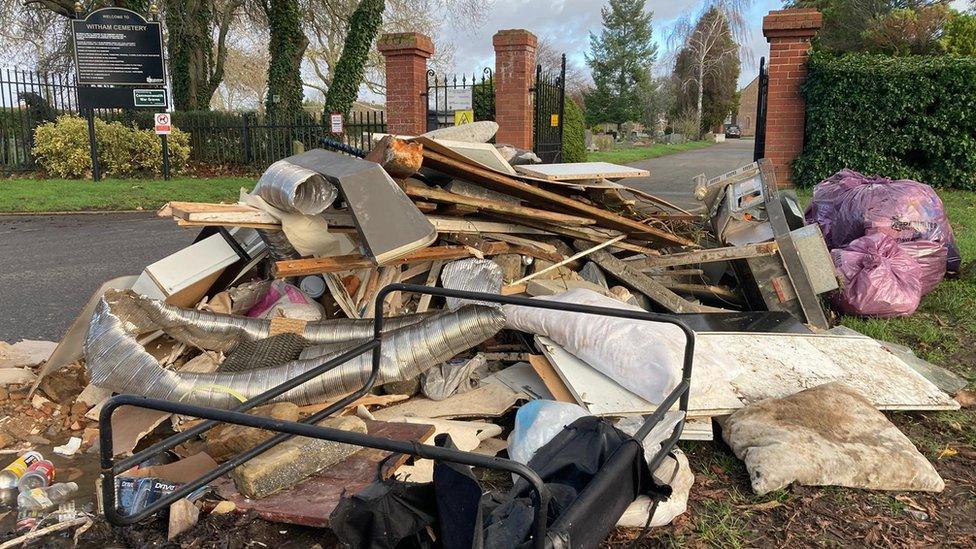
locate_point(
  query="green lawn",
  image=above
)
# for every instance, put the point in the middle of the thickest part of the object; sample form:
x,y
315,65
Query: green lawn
x,y
60,195
627,154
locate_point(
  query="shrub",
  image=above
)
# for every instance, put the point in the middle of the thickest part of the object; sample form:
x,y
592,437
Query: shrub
x,y
574,133
901,117
62,149
959,37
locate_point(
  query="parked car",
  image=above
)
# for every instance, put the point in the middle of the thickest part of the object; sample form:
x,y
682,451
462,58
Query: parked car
x,y
733,131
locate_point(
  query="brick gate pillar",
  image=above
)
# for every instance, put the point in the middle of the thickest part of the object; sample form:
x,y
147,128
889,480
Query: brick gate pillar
x,y
514,75
789,33
406,55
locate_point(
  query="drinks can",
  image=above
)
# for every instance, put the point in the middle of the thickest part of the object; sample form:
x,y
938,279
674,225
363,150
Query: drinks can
x,y
39,474
11,474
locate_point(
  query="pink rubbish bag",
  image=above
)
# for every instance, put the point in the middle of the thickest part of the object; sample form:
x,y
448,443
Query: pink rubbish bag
x,y
286,300
931,256
880,278
849,205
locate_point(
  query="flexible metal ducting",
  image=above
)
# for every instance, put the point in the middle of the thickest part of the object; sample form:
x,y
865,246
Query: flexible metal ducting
x,y
220,332
279,248
295,189
116,361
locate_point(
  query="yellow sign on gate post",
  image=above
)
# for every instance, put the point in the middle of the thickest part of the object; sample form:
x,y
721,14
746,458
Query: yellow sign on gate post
x,y
463,117
554,120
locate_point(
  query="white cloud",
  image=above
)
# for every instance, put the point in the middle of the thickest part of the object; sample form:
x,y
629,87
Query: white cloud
x,y
567,24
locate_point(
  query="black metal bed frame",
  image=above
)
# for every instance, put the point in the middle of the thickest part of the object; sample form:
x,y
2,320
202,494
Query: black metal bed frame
x,y
607,479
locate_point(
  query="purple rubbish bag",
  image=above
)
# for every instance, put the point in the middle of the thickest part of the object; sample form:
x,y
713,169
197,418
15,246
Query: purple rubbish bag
x,y
849,205
880,278
931,257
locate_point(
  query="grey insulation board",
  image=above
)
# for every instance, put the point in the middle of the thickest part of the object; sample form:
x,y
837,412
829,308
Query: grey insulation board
x,y
388,223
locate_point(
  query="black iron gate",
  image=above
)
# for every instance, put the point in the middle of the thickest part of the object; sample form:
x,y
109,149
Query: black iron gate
x,y
550,104
760,146
451,100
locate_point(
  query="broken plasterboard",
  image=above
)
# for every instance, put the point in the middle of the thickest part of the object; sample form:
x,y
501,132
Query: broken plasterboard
x,y
599,394
579,171
750,367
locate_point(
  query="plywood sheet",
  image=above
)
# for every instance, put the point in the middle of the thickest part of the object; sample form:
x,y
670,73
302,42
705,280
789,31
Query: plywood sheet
x,y
576,171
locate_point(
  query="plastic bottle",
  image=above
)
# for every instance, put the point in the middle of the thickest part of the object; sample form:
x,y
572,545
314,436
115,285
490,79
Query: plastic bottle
x,y
43,499
38,475
10,475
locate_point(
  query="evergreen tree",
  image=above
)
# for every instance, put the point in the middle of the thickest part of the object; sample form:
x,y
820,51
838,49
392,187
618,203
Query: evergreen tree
x,y
286,47
620,59
348,75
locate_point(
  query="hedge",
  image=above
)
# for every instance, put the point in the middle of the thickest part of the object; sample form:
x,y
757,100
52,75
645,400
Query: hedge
x,y
901,117
574,133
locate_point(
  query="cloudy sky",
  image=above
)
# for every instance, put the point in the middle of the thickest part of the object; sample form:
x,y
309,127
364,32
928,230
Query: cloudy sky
x,y
566,24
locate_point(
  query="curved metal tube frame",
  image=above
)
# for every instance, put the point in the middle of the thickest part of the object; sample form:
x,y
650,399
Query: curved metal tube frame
x,y
286,429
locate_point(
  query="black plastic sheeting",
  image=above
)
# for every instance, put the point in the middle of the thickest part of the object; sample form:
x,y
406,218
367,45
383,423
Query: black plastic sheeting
x,y
459,514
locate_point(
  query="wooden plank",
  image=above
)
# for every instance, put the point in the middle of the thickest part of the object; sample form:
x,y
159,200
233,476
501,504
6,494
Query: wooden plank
x,y
539,196
711,255
338,263
704,290
519,241
453,225
221,213
580,171
312,501
215,223
483,204
482,245
553,382
587,233
435,271
633,279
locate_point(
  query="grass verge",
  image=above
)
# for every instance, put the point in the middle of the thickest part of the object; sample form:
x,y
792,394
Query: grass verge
x,y
626,154
61,195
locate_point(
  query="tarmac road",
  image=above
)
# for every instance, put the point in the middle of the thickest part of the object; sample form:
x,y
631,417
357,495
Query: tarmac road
x,y
51,264
671,175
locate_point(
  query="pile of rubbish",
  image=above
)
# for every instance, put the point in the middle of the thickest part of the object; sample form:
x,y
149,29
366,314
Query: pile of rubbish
x,y
288,282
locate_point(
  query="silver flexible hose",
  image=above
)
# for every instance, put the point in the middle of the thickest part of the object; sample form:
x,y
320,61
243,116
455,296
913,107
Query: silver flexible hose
x,y
221,332
116,361
295,189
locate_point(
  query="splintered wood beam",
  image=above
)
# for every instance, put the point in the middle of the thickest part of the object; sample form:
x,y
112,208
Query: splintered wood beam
x,y
711,255
541,197
654,290
495,206
338,263
588,234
